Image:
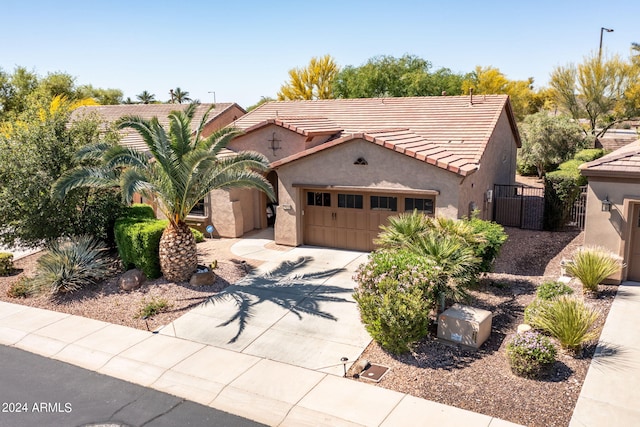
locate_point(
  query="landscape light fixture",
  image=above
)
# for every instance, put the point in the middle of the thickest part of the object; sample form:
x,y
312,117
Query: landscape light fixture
x,y
606,205
602,30
344,361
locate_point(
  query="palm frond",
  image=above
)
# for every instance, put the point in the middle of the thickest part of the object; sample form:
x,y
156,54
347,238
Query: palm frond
x,y
83,177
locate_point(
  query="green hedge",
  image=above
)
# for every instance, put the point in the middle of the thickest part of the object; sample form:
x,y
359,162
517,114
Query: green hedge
x,y
138,235
589,154
488,248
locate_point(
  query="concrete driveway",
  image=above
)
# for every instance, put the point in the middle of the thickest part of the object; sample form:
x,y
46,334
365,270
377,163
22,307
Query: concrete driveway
x,y
295,308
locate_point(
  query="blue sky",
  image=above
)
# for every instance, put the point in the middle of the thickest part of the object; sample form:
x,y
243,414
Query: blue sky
x,y
243,50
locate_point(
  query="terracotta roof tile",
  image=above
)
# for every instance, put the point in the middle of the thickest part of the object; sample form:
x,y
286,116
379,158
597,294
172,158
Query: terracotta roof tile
x,y
446,127
130,138
625,161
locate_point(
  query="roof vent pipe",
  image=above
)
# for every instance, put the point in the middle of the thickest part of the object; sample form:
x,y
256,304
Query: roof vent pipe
x,y
470,96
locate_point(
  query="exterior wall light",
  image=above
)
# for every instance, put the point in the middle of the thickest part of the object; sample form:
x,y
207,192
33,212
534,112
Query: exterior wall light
x,y
606,205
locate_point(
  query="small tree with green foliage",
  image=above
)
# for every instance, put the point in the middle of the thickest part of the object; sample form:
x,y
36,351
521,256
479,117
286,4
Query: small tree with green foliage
x,y
548,141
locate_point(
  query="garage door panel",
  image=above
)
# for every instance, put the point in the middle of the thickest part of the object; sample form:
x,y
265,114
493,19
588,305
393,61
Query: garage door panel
x,y
349,223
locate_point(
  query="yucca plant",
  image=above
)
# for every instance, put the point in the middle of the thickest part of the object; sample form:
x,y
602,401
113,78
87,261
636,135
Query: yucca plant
x,y
569,320
591,265
71,265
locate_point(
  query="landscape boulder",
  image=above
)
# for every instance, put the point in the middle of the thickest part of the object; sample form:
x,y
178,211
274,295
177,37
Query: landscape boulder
x,y
132,279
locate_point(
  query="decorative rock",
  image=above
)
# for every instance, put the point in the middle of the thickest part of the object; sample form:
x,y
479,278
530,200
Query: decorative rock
x,y
132,279
205,278
522,328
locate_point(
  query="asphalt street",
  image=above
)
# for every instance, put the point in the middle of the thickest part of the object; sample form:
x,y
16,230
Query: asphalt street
x,y
36,391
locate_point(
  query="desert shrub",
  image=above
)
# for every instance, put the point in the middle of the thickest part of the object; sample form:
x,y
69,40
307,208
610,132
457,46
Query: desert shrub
x,y
551,289
197,234
531,355
21,288
71,265
568,320
6,263
488,247
153,307
591,265
393,298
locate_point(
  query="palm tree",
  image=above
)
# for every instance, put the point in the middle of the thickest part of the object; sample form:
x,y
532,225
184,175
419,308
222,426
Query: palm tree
x,y
146,97
179,96
456,265
180,169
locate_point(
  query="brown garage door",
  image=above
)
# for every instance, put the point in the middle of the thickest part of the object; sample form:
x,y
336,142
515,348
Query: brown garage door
x,y
351,220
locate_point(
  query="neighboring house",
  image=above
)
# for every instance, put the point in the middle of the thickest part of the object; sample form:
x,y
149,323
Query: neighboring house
x,y
613,206
222,115
341,167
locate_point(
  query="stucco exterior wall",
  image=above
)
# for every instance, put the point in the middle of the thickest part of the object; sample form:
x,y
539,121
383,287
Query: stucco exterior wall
x,y
386,169
610,229
260,141
497,166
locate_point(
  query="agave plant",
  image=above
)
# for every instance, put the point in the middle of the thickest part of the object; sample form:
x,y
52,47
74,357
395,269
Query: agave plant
x,y
71,265
591,265
178,169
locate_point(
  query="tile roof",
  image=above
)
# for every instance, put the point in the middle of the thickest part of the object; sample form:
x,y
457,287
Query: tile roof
x,y
131,138
624,162
446,131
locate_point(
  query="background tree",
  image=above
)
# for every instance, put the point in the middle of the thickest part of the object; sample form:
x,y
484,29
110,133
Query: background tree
x,y
34,153
603,90
263,99
101,96
179,96
183,169
146,98
315,81
490,80
388,76
548,140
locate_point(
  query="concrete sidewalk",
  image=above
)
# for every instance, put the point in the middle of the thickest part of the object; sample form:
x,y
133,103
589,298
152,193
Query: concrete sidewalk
x,y
264,390
611,392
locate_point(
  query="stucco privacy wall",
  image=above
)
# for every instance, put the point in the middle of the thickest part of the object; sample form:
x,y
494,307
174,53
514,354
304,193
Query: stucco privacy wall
x,y
386,169
610,229
497,166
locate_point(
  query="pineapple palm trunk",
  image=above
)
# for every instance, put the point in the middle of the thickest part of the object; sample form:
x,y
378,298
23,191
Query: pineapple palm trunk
x,y
178,256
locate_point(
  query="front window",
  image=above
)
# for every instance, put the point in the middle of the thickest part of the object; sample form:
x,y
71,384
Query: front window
x,y
384,203
198,209
315,198
353,201
421,205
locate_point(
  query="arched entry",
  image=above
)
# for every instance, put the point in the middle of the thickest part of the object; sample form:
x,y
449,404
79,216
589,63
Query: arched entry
x,y
270,207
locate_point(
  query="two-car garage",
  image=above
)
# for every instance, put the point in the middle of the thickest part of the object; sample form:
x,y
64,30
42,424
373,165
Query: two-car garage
x,y
350,218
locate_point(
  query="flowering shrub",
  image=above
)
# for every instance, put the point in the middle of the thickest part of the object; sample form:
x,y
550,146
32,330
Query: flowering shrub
x,y
393,297
531,355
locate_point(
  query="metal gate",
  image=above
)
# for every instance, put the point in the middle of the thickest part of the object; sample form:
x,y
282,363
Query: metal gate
x,y
518,206
578,210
